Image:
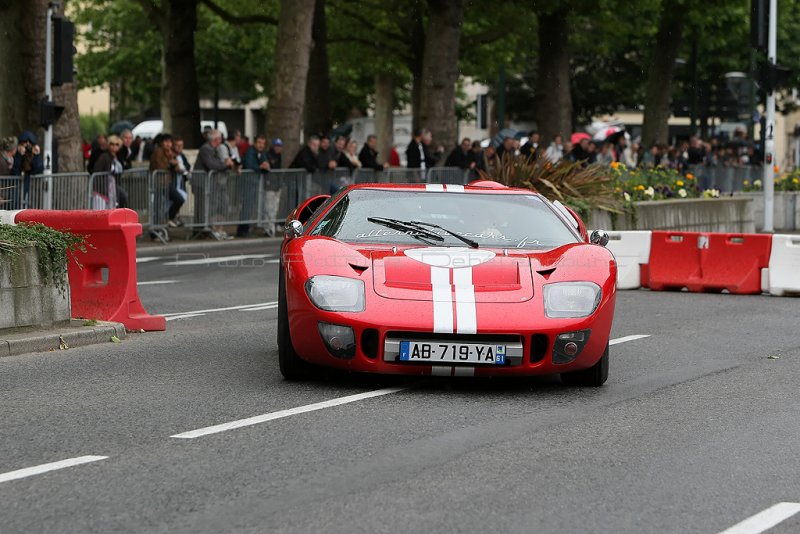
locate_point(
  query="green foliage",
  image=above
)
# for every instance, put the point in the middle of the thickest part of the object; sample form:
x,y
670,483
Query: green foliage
x,y
654,183
54,247
582,187
93,125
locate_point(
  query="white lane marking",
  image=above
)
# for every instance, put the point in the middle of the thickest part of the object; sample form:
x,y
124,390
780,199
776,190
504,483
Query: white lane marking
x,y
434,187
44,468
156,282
466,312
442,300
229,308
765,520
268,307
147,259
184,316
455,188
219,259
286,413
439,370
627,338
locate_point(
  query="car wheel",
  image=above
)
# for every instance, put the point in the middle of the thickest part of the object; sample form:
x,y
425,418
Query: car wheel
x,y
594,376
291,365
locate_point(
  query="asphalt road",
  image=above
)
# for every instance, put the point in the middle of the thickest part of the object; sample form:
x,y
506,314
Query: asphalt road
x,y
696,430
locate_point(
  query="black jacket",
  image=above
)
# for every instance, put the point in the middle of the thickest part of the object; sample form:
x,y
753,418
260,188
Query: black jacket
x,y
275,160
459,158
369,158
305,159
413,156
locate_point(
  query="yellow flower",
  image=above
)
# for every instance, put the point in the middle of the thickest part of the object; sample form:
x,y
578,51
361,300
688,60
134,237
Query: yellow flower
x,y
775,168
747,182
689,176
679,183
614,165
618,190
640,187
795,181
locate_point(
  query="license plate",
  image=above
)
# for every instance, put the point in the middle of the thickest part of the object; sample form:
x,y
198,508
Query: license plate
x,y
434,352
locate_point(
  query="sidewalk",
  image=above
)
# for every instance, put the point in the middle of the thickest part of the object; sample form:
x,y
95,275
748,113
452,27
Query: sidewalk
x,y
77,333
148,248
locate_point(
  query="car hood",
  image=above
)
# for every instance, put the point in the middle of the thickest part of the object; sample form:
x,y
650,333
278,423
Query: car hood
x,y
412,273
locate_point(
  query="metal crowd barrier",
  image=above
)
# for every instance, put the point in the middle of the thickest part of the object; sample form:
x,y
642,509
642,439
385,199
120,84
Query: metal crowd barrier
x,y
11,192
101,191
69,191
399,175
281,191
365,176
448,175
133,191
328,182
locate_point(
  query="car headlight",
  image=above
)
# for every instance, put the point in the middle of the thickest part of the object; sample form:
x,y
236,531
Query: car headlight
x,y
571,299
336,293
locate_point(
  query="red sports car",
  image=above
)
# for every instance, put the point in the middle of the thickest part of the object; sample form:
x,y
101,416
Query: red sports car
x,y
445,280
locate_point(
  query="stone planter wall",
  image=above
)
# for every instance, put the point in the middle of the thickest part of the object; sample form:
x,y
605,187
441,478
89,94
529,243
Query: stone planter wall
x,y
25,300
727,214
786,217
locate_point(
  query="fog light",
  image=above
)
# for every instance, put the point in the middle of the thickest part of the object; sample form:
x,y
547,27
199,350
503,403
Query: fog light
x,y
569,345
340,340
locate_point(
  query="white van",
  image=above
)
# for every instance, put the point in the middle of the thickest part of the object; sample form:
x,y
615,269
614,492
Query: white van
x,y
151,128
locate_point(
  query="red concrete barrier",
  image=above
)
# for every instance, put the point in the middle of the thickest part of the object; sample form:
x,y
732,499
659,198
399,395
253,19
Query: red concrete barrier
x,y
105,287
674,261
709,262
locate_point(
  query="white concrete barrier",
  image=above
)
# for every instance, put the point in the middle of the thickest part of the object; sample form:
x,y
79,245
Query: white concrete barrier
x,y
784,265
631,249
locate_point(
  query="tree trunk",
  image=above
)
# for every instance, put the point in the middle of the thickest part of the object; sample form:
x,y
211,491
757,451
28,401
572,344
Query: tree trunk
x,y
384,114
183,96
164,98
22,85
318,116
658,92
17,21
440,70
292,53
416,60
553,96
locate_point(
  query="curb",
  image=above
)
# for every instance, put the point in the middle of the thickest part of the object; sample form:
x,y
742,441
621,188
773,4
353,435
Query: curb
x,y
73,335
167,250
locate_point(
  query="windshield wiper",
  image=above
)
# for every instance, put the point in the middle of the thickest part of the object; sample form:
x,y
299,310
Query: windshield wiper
x,y
417,231
472,243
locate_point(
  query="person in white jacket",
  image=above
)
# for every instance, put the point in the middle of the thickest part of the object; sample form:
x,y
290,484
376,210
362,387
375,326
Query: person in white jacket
x,y
555,152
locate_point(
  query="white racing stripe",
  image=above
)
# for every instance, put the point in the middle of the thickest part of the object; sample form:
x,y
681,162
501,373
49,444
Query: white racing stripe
x,y
627,338
434,187
44,468
454,188
219,259
229,308
156,282
442,300
765,520
464,371
466,312
441,370
286,413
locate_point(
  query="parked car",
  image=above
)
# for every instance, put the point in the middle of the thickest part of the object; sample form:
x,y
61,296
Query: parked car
x,y
150,128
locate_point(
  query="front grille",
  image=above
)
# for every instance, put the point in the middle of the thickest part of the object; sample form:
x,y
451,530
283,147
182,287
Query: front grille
x,y
539,344
369,343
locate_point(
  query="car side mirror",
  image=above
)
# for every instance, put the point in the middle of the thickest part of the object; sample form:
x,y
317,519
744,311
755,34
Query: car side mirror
x,y
599,237
293,229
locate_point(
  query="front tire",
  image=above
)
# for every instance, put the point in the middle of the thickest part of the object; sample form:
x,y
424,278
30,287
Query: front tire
x,y
291,365
594,376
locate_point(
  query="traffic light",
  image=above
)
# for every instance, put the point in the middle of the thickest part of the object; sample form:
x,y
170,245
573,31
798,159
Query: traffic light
x,y
759,24
773,77
63,51
49,112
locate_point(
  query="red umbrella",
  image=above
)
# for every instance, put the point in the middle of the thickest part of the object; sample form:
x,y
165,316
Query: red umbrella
x,y
577,137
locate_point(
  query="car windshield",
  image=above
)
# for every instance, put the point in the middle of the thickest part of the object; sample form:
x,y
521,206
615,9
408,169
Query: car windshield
x,y
491,220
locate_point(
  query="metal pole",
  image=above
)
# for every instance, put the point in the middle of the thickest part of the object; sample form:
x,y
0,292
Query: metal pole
x,y
769,138
48,92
